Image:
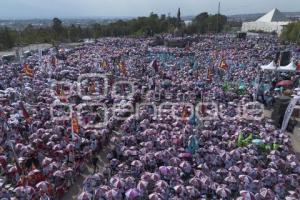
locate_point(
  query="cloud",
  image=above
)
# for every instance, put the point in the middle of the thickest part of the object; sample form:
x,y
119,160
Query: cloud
x,y
93,8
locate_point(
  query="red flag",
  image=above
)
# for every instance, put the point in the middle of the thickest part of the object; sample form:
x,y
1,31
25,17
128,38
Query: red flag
x,y
27,70
223,65
154,64
75,124
185,113
122,68
92,87
25,113
210,74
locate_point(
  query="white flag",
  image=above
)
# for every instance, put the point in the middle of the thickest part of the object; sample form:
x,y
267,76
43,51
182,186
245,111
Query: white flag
x,y
288,113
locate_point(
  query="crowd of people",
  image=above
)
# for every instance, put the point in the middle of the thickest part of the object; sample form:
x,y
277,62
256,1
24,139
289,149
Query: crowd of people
x,y
176,111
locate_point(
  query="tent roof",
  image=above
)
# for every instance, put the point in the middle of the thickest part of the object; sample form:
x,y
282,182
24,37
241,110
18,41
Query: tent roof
x,y
273,16
290,67
270,66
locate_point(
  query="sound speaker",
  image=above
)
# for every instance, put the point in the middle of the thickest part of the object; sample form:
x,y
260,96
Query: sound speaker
x,y
285,58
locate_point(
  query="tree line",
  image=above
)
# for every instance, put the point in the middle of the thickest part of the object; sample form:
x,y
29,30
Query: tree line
x,y
291,32
141,26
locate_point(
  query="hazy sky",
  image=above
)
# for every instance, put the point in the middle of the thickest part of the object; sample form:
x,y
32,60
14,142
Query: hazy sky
x,y
96,8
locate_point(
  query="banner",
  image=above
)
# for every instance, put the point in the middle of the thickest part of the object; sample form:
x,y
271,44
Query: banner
x,y
288,113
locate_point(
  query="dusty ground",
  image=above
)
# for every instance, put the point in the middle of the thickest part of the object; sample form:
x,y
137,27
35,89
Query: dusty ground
x,y
76,188
295,136
26,48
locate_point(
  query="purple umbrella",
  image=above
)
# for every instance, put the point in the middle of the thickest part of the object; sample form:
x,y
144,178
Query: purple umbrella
x,y
132,193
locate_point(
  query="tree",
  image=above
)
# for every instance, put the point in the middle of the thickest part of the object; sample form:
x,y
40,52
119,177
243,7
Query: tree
x,y
6,39
178,18
57,28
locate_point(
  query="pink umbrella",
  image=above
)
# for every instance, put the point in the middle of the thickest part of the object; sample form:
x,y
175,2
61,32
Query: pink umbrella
x,y
234,169
222,171
155,177
185,155
195,181
247,169
132,193
70,147
35,172
246,195
29,190
205,181
100,191
118,184
59,174
185,166
112,194
155,196
223,191
164,170
179,189
46,161
146,176
192,191
85,196
19,190
174,161
245,179
266,193
13,169
230,179
142,185
137,163
162,184
44,186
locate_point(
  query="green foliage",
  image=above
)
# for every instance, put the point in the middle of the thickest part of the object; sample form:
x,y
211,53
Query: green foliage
x,y
291,32
7,38
204,23
241,142
141,26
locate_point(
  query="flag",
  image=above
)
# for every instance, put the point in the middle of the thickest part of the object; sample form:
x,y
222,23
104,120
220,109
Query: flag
x,y
27,70
288,113
92,87
210,74
104,64
25,113
54,61
185,113
61,93
75,124
122,68
154,64
203,107
223,65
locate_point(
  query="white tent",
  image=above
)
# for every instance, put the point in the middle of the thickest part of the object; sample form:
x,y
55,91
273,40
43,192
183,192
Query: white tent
x,y
290,67
273,16
270,66
270,22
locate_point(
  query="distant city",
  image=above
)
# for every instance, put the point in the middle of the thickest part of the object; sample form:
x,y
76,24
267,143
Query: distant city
x,y
83,22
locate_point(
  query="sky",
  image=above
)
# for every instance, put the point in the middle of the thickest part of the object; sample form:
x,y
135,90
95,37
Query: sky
x,y
27,9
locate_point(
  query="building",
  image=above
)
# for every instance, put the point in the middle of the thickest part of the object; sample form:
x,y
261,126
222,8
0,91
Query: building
x,y
273,21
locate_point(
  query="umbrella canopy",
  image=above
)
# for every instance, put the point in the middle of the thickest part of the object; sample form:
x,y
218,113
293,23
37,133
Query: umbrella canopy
x,y
284,83
246,195
223,191
85,196
132,193
59,174
43,185
155,196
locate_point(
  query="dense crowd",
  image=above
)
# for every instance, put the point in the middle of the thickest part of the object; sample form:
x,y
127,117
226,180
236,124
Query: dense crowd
x,y
175,145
